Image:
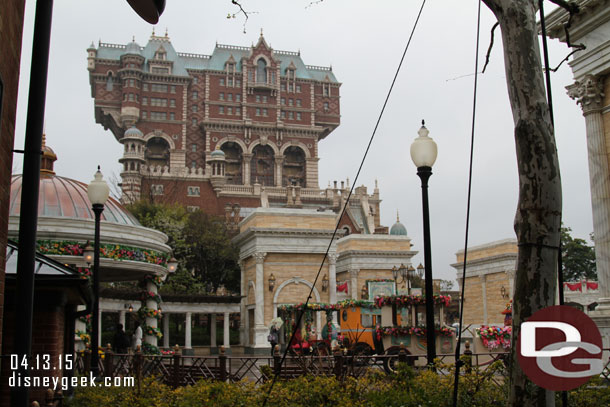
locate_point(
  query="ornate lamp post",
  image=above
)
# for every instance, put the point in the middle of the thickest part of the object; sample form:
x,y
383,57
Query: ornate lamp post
x,y
423,154
98,192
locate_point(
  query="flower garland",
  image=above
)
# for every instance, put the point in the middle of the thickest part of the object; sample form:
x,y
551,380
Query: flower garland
x,y
495,336
167,352
145,312
406,300
149,295
85,337
110,251
152,331
85,273
411,330
149,349
156,280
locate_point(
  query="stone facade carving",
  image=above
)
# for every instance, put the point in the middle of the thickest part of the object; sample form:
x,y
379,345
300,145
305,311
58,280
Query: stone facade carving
x,y
588,93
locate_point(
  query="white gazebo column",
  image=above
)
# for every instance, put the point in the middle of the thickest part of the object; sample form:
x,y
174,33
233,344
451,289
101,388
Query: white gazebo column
x,y
187,331
354,283
166,331
243,333
260,330
589,94
213,330
122,318
225,337
151,321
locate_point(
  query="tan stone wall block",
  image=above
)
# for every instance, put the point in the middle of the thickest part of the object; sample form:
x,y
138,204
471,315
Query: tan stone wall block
x,y
488,252
473,301
289,221
495,303
374,244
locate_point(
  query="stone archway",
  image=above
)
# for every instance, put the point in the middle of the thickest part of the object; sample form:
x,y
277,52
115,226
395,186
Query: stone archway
x,y
298,280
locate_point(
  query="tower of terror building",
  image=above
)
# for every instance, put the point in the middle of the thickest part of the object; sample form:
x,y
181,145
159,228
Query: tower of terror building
x,y
209,131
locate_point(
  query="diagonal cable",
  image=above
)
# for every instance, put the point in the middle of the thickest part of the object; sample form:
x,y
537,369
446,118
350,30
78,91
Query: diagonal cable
x,y
300,314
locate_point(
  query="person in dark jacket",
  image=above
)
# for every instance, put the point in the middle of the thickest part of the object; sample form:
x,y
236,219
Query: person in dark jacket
x,y
120,342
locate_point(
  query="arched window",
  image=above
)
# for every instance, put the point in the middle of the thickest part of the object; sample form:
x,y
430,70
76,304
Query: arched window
x,y
261,167
293,171
109,82
157,152
233,159
261,71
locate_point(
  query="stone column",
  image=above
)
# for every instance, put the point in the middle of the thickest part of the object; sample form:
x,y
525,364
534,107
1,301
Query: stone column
x,y
151,321
213,330
483,279
279,161
243,333
589,94
260,331
246,160
354,283
225,337
166,331
332,278
511,283
187,331
122,318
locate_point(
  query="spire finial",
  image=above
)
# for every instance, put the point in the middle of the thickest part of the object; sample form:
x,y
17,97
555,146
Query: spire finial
x,y
261,31
133,39
44,139
165,32
423,123
397,217
153,34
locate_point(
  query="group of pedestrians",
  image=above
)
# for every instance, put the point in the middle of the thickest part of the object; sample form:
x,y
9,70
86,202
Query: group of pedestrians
x,y
121,343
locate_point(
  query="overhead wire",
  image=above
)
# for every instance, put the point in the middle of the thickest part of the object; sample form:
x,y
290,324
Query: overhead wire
x,y
472,132
301,313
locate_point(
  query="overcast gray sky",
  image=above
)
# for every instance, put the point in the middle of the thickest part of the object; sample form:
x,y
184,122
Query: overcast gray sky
x,y
363,41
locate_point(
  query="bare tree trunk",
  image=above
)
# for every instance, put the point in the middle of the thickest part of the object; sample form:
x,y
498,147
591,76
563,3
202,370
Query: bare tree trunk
x,y
538,218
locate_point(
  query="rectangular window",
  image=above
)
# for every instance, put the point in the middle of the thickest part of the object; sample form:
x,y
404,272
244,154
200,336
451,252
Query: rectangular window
x,y
195,95
283,114
326,108
193,164
194,108
145,86
237,97
172,89
157,87
283,87
229,110
230,82
192,191
161,102
158,115
144,114
132,83
298,102
258,98
131,97
298,88
230,97
265,112
264,99
238,111
238,83
290,102
258,111
192,208
251,75
290,115
194,122
221,109
172,103
298,115
195,80
221,96
145,101
172,116
156,189
194,148
326,89
221,82
283,101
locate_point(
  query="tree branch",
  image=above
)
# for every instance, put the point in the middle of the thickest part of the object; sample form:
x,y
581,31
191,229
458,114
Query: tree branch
x,y
491,44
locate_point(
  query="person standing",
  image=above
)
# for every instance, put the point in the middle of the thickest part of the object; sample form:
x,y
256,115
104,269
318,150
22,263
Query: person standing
x,y
136,339
120,342
273,337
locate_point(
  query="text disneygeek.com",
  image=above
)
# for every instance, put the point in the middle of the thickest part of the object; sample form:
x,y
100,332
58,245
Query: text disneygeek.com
x,y
17,380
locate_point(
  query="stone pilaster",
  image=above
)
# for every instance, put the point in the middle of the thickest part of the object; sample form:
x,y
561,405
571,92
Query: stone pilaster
x,y
279,162
260,330
483,279
247,159
213,330
589,94
187,331
354,283
225,337
332,277
243,332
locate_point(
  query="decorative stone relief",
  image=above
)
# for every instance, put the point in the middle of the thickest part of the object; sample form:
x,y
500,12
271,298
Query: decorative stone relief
x,y
259,257
588,93
332,258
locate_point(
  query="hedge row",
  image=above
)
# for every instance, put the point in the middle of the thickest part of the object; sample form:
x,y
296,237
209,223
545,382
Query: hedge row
x,y
404,389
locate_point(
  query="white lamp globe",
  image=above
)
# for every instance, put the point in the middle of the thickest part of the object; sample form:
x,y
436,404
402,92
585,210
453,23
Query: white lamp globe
x,y
423,149
98,190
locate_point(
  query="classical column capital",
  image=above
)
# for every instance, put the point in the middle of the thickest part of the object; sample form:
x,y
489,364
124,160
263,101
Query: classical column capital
x,y
259,257
510,274
354,272
332,258
482,277
588,93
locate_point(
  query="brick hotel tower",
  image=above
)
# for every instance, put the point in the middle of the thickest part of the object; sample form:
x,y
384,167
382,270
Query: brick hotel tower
x,y
226,133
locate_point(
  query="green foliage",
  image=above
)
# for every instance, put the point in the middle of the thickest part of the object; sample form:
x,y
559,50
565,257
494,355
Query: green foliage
x,y
206,257
578,257
405,389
